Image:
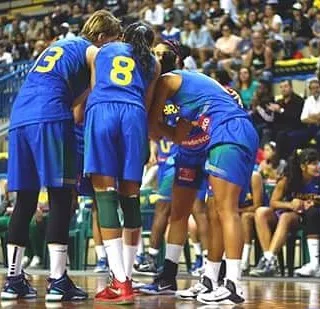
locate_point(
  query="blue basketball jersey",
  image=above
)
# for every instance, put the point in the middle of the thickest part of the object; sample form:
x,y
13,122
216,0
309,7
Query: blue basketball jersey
x,y
119,77
204,101
310,191
58,76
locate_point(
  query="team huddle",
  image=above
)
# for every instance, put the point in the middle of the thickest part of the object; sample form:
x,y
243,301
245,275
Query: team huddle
x,y
110,82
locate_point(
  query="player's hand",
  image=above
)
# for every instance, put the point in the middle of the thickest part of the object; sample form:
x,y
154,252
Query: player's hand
x,y
152,160
297,205
182,130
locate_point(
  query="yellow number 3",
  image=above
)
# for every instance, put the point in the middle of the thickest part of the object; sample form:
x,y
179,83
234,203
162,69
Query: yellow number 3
x,y
51,60
121,73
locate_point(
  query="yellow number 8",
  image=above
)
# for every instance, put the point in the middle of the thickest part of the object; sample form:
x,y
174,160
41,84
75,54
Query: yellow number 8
x,y
51,60
121,73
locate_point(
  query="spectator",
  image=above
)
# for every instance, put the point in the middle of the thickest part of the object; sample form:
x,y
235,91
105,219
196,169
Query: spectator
x,y
58,17
10,30
185,34
200,40
49,35
117,7
39,47
154,13
76,20
252,21
20,49
288,130
90,8
170,32
216,17
226,45
177,14
262,115
22,24
246,86
188,63
33,31
288,200
315,42
254,200
259,57
230,7
65,32
5,57
273,22
195,12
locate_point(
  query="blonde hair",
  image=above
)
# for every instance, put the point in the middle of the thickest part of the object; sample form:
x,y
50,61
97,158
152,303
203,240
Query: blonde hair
x,y
101,21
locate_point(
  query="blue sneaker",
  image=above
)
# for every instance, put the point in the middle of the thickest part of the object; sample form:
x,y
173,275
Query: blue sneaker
x,y
64,289
160,286
102,266
197,268
17,287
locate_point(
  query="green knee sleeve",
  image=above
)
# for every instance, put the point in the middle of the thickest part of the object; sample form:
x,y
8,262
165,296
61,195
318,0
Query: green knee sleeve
x,y
131,212
107,204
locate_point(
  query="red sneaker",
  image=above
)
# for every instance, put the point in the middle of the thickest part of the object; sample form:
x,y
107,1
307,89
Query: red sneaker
x,y
117,293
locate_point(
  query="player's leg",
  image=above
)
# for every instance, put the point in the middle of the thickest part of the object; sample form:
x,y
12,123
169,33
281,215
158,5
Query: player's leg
x,y
247,222
22,178
56,167
230,167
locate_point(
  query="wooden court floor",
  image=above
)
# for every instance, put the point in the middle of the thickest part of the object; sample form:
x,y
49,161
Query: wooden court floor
x,y
261,294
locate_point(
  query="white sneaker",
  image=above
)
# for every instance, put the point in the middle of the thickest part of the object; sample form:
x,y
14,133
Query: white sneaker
x,y
35,262
227,294
203,286
25,262
307,270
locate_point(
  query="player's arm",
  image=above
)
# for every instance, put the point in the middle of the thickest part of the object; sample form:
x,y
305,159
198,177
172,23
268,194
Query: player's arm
x,y
166,87
91,55
152,85
79,105
153,153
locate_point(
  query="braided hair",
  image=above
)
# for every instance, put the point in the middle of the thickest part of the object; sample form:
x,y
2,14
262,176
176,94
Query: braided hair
x,y
141,36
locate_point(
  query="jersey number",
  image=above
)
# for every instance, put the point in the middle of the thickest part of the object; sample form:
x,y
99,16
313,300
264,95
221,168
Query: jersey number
x,y
165,146
56,52
121,72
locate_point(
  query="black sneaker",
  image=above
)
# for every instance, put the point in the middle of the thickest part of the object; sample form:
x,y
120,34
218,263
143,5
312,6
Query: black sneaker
x,y
261,265
64,289
148,267
269,269
160,286
226,294
17,287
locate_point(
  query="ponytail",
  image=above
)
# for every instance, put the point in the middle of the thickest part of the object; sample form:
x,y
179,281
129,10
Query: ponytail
x,y
141,37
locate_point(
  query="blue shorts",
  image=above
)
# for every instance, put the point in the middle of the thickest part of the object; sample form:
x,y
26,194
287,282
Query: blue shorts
x,y
116,141
233,163
42,155
190,169
83,185
202,192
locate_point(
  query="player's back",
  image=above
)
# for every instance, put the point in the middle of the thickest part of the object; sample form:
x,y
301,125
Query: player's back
x,y
119,76
200,94
59,75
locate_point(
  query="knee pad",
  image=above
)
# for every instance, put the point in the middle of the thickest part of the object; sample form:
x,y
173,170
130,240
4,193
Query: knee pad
x,y
107,204
131,211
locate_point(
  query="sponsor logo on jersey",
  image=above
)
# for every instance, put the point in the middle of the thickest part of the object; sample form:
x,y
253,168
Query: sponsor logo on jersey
x,y
196,140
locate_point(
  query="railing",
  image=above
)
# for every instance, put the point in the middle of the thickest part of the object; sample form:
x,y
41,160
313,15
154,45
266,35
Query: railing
x,y
15,66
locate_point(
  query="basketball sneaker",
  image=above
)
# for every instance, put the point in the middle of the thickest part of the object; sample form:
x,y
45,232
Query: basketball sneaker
x,y
307,270
17,287
269,269
198,264
226,294
102,266
202,286
147,267
64,289
117,293
160,286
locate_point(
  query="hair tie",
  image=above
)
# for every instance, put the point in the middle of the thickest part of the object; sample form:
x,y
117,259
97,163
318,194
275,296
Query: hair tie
x,y
142,28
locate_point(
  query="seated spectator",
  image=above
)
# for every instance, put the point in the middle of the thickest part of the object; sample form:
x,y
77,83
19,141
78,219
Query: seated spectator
x,y
49,35
195,12
185,33
65,32
170,32
246,86
288,130
261,113
76,19
33,31
58,16
90,9
200,40
169,8
216,17
39,47
189,62
288,201
20,49
5,57
254,200
226,45
271,168
314,44
259,58
154,13
252,21
230,7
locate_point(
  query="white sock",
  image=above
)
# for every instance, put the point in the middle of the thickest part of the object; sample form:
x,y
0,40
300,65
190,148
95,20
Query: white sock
x,y
173,253
233,270
101,252
148,176
212,270
313,246
129,255
245,256
140,245
15,255
58,260
114,249
153,251
268,255
197,248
